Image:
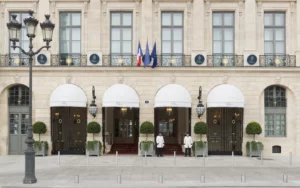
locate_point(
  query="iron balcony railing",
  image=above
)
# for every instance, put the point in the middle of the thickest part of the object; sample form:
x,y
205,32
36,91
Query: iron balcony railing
x,y
274,60
116,60
224,60
15,60
174,60
64,59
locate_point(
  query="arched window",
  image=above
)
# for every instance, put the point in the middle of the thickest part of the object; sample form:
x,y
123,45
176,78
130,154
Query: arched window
x,y
18,95
275,111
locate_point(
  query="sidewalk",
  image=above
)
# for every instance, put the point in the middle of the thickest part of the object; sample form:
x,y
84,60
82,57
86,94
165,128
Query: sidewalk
x,y
136,171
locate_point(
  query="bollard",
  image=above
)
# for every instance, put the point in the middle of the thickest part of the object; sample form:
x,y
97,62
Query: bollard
x,y
87,158
285,178
202,178
119,180
76,179
174,158
291,158
261,158
59,158
243,178
161,178
116,158
145,158
232,159
203,159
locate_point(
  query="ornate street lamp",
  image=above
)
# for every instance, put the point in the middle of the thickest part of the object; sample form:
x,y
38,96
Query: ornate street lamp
x,y
14,28
200,109
93,107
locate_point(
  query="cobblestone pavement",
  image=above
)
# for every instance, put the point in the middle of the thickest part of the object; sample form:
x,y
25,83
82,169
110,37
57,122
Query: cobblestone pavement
x,y
135,171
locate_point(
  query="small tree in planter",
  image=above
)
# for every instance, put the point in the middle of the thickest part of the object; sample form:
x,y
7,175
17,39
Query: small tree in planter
x,y
147,146
200,147
94,147
253,147
40,147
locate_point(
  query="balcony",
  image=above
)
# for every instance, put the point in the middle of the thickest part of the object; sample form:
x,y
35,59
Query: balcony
x,y
68,60
119,60
223,60
277,60
15,60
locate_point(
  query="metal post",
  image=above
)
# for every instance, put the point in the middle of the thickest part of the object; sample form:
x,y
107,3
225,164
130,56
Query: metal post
x,y
203,160
59,158
145,158
261,158
87,158
243,178
76,179
116,158
291,158
232,159
119,180
174,158
285,178
202,178
161,178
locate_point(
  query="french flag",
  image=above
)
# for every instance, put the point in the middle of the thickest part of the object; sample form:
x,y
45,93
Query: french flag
x,y
139,55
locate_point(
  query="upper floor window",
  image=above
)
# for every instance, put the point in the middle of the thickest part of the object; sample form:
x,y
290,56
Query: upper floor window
x,y
274,24
18,95
172,32
70,33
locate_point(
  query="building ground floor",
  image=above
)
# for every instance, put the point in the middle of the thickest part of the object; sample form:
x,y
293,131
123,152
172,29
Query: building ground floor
x,y
167,97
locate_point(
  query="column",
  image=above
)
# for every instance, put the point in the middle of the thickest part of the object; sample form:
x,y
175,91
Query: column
x,y
146,25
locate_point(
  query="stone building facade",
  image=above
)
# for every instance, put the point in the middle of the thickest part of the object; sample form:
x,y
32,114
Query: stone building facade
x,y
251,45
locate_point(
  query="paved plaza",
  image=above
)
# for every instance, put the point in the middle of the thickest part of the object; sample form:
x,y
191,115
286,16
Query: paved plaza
x,y
135,171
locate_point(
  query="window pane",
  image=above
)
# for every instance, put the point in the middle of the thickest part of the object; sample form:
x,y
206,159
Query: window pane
x,y
177,19
76,19
228,34
25,45
177,34
279,34
126,46
177,47
166,19
217,34
166,34
115,47
64,19
14,124
115,34
76,34
64,47
217,47
115,19
217,19
228,19
24,123
228,47
166,47
23,15
268,19
279,47
279,19
127,19
269,34
269,48
75,46
23,34
65,34
126,34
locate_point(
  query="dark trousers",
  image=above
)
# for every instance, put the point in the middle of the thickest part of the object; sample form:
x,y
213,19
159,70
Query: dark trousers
x,y
159,152
187,152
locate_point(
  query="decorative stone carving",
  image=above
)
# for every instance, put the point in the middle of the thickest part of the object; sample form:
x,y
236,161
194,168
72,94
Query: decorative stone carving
x,y
17,78
121,80
85,9
277,80
207,8
241,4
53,9
189,7
156,7
104,7
259,8
2,9
68,79
292,7
173,79
225,79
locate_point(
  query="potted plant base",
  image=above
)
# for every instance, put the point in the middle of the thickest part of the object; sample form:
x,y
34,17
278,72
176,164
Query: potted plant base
x,y
254,150
93,148
201,151
150,151
41,148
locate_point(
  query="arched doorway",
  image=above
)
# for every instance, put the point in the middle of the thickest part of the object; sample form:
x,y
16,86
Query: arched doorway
x,y
225,111
68,120
18,102
120,112
172,116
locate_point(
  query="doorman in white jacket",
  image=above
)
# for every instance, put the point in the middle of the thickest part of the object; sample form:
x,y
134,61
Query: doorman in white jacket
x,y
160,144
188,143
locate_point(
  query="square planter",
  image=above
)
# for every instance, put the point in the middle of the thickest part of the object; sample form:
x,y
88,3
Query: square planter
x,y
96,151
252,153
150,152
41,152
199,151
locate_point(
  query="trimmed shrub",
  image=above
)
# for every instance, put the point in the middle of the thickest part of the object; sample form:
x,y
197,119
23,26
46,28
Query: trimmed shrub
x,y
93,127
200,128
253,128
39,128
147,128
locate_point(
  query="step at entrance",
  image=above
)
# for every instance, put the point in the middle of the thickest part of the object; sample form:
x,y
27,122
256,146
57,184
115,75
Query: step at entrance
x,y
124,149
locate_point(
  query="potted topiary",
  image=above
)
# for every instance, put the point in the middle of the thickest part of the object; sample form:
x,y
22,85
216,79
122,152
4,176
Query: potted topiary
x,y
94,147
253,147
199,146
147,146
40,147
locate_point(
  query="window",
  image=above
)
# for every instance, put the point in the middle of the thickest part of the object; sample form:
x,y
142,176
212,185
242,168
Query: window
x,y
70,33
275,111
17,57
18,95
274,33
121,38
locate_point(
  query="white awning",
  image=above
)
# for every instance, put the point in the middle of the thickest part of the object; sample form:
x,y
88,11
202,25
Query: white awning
x,y
225,95
120,95
68,95
173,95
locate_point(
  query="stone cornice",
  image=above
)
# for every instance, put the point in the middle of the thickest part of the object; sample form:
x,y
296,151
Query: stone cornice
x,y
25,1
274,1
224,1
120,1
69,0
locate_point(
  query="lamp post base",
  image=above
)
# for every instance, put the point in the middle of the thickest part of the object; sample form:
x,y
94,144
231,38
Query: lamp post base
x,y
29,167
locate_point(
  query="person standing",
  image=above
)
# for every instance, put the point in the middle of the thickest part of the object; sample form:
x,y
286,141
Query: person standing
x,y
188,143
160,144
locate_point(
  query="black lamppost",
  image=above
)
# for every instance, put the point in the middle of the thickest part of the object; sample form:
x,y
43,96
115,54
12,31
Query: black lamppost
x,y
200,109
14,28
93,107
